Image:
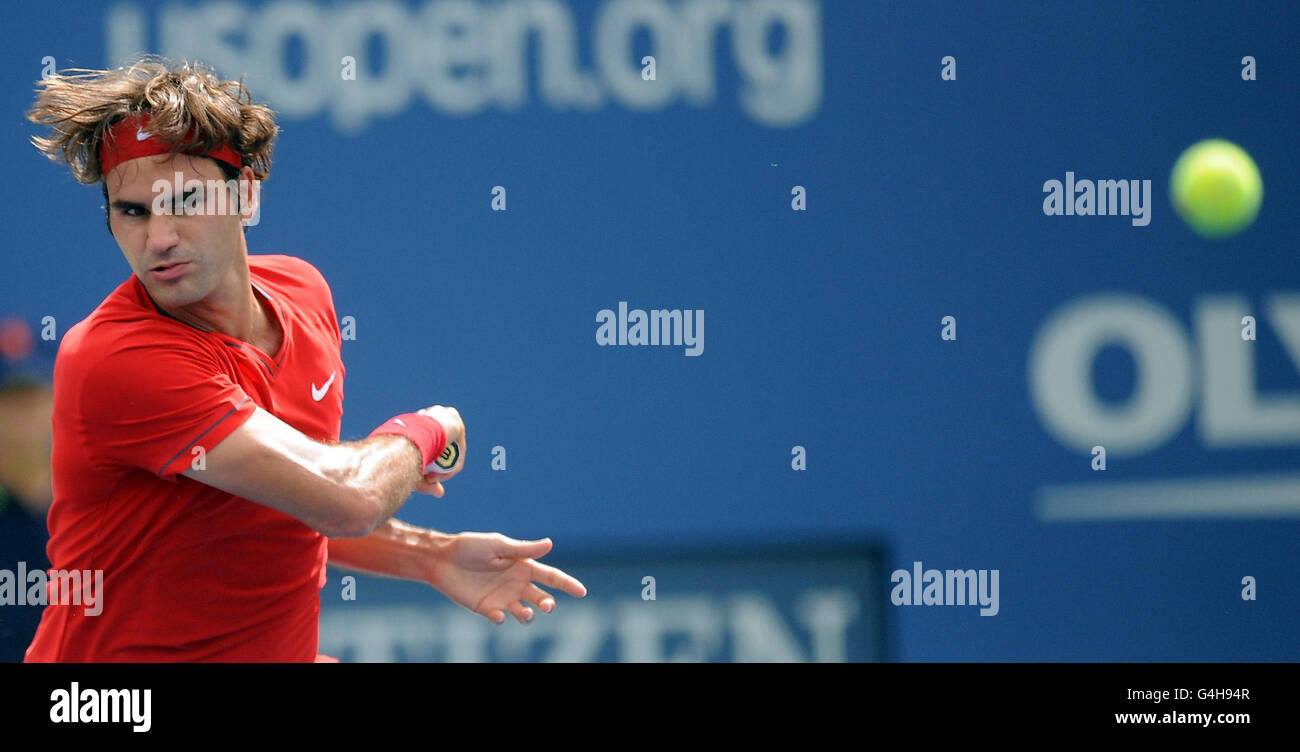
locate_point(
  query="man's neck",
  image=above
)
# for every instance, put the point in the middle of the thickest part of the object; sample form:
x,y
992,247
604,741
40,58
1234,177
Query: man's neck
x,y
239,313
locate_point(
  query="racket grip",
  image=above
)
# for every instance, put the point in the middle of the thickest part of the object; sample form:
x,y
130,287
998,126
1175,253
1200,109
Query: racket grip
x,y
447,462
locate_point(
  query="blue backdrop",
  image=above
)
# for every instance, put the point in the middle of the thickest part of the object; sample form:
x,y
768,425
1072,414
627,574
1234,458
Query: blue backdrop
x,y
923,200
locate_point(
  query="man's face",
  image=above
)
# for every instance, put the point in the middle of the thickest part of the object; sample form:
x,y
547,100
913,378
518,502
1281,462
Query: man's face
x,y
180,259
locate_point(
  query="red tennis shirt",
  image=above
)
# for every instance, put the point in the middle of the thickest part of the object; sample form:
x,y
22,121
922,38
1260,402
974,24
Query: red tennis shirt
x,y
190,572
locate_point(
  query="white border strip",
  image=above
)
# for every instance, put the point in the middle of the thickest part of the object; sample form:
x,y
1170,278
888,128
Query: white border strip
x,y
1243,496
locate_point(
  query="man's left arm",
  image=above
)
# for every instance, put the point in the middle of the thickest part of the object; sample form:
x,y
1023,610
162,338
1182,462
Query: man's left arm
x,y
487,573
394,549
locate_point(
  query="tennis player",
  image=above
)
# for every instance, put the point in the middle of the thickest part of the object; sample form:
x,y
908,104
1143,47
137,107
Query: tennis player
x,y
196,456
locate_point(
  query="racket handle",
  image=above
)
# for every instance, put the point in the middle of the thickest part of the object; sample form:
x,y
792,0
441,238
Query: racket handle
x,y
446,462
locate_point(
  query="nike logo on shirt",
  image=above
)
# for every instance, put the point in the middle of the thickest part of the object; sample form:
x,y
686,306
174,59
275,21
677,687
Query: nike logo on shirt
x,y
319,394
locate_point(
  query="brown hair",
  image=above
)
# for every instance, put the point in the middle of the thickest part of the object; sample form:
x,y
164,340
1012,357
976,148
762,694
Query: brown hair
x,y
81,105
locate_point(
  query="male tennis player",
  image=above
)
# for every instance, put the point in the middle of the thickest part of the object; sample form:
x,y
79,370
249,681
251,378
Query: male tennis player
x,y
196,456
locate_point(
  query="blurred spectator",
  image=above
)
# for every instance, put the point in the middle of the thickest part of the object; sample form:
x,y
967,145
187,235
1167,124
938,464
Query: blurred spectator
x,y
26,402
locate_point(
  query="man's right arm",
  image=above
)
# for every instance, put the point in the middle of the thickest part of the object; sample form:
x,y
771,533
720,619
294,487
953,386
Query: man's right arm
x,y
341,490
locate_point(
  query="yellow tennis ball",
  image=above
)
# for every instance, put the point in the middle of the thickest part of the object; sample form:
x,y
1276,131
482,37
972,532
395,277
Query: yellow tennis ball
x,y
1216,188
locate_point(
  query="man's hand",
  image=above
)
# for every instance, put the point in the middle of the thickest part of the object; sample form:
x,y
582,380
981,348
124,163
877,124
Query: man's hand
x,y
454,427
490,574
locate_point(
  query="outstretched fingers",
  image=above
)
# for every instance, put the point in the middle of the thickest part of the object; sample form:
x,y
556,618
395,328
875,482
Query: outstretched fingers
x,y
523,613
554,578
540,598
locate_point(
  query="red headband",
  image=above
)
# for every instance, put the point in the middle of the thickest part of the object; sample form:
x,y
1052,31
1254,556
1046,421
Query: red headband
x,y
127,139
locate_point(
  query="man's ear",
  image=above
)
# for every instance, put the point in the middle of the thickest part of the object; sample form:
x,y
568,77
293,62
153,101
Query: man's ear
x,y
250,198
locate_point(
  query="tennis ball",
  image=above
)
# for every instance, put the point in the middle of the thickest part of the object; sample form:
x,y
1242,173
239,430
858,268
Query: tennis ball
x,y
1216,189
